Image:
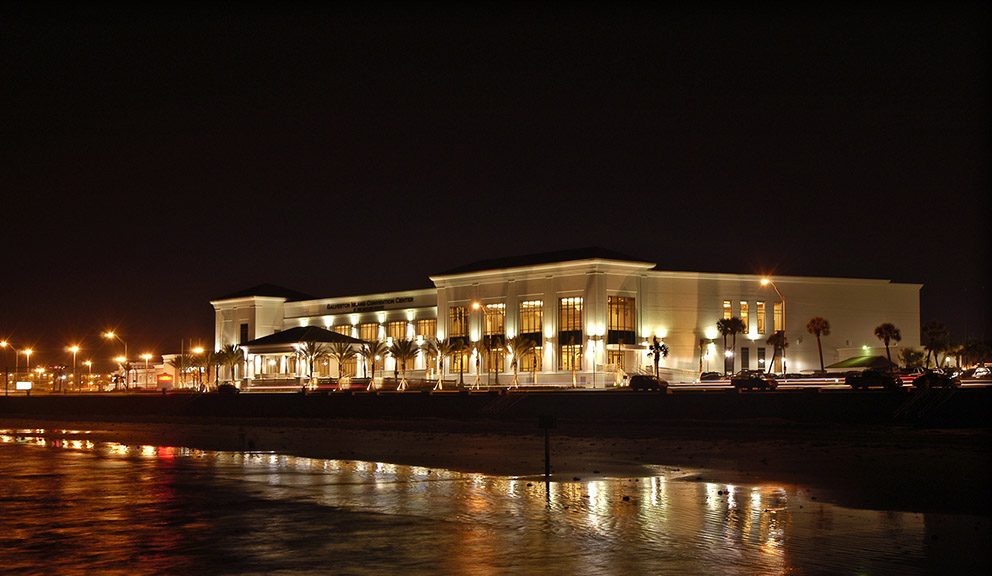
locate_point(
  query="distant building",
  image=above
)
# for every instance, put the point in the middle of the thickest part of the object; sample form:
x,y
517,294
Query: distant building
x,y
592,314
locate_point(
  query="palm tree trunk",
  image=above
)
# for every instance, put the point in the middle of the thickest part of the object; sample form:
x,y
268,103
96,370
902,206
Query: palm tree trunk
x,y
819,348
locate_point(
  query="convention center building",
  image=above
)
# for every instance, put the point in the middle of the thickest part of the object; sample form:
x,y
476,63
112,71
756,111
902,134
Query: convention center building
x,y
593,317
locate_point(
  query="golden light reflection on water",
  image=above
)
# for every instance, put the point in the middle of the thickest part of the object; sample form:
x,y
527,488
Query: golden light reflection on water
x,y
497,524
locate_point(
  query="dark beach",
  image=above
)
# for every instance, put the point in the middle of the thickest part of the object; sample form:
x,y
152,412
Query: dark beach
x,y
847,449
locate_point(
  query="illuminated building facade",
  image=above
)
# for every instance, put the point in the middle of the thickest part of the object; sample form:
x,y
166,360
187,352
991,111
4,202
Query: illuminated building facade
x,y
591,313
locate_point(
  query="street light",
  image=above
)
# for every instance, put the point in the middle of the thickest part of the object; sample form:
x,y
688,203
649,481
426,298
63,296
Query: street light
x,y
111,335
75,379
146,357
766,282
89,370
6,375
28,362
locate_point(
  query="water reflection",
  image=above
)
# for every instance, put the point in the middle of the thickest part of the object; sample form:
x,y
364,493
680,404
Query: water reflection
x,y
73,506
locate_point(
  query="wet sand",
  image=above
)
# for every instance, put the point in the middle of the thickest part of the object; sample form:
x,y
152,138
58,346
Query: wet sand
x,y
875,467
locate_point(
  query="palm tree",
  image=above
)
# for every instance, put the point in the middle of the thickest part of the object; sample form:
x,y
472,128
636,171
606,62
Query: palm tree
x,y
430,349
204,361
403,351
370,351
934,332
819,326
232,356
976,352
887,332
479,349
182,363
702,347
518,347
657,350
458,348
311,352
341,352
778,341
911,358
730,327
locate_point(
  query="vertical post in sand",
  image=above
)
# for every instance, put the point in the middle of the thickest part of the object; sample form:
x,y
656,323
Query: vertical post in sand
x,y
547,422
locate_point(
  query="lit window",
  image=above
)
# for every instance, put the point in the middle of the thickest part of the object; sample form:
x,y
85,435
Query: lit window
x,y
728,311
760,310
369,331
620,320
570,333
532,328
427,327
458,322
396,330
777,316
744,312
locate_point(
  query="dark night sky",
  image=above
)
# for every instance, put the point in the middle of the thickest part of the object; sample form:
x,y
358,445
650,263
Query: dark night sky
x,y
157,156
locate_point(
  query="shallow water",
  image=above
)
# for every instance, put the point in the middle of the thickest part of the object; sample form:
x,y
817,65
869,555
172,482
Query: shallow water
x,y
72,506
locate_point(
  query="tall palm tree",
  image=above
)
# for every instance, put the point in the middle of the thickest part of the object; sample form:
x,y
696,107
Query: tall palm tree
x,y
341,352
204,361
518,347
182,363
935,332
429,350
233,357
730,327
702,348
479,348
658,350
403,351
458,348
887,332
311,352
371,350
778,342
441,349
818,326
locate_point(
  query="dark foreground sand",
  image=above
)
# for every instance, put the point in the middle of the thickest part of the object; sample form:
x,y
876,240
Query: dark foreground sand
x,y
878,467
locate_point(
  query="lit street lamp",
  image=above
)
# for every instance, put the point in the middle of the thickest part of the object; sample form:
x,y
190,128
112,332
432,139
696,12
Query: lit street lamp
x,y
766,282
75,379
89,369
146,357
122,362
6,369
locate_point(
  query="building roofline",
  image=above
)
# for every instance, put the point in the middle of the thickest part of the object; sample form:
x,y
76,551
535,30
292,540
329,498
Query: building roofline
x,y
539,259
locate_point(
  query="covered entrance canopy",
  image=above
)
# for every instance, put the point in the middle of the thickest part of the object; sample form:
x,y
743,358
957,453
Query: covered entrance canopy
x,y
276,355
284,341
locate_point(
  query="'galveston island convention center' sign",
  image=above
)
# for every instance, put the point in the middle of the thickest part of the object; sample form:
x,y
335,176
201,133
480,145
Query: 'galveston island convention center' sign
x,y
369,305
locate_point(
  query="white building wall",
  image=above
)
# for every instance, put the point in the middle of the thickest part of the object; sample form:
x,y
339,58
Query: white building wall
x,y
681,308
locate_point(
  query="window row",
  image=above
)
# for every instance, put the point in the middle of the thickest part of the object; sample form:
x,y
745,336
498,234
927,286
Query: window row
x,y
760,314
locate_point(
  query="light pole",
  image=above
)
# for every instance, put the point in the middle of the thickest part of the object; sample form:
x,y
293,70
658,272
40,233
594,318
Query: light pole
x,y
75,379
124,362
146,357
6,369
766,282
28,362
89,370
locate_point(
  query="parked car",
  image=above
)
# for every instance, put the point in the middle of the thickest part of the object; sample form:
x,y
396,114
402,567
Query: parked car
x,y
643,382
751,380
936,380
870,378
977,373
708,376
